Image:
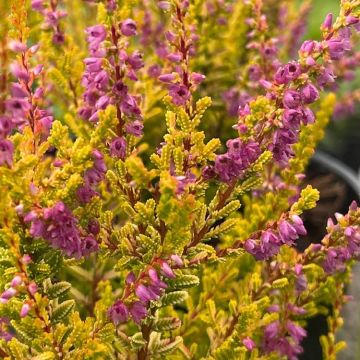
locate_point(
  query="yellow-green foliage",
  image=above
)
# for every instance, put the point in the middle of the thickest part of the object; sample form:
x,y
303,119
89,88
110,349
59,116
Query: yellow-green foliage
x,y
156,211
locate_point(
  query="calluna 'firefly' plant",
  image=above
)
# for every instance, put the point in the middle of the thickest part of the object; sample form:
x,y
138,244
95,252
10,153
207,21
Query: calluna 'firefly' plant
x,y
151,173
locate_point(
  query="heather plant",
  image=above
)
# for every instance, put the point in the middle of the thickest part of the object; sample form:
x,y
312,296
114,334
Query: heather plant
x,y
152,159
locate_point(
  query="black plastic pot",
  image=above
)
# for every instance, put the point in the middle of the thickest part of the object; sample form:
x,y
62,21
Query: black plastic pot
x,y
338,185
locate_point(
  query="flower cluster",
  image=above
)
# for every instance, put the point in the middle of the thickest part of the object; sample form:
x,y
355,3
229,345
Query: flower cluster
x,y
107,85
286,341
181,82
92,178
235,161
343,243
147,287
23,107
60,228
269,242
52,17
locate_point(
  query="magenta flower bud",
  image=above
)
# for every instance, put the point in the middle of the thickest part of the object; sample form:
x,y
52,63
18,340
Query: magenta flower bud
x,y
296,332
307,46
298,269
208,172
94,226
33,49
167,78
93,64
58,38
298,225
164,5
26,259
17,46
128,27
292,99
97,155
177,260
18,91
101,79
136,60
174,57
37,5
349,231
310,61
254,72
296,309
326,77
6,152
143,293
39,92
197,78
19,209
308,116
103,102
32,288
170,36
31,216
25,310
16,281
8,293
327,24
118,148
85,193
265,84
6,125
249,343
309,93
153,275
273,308
166,270
315,247
154,71
58,163
336,48
353,206
130,278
